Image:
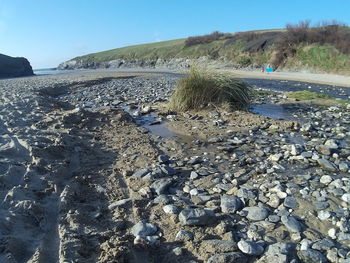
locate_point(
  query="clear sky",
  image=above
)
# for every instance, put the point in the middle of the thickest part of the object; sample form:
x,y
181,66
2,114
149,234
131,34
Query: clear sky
x,y
48,32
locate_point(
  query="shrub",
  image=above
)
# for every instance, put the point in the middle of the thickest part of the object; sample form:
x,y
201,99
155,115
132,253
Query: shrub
x,y
332,33
191,41
200,88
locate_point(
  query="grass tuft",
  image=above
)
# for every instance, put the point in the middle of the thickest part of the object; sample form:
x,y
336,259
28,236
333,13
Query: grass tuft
x,y
201,88
307,95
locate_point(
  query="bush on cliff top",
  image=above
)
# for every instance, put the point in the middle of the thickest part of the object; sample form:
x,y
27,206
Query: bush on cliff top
x,y
201,87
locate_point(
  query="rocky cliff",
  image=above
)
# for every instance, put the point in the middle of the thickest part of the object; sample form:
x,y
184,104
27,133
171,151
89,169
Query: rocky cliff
x,y
173,63
14,67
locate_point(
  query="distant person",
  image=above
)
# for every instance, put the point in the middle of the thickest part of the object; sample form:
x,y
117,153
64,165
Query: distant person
x,y
262,68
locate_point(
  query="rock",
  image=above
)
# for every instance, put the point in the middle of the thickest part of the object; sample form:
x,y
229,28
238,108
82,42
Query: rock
x,y
120,203
230,204
11,67
343,167
277,252
256,213
327,165
171,209
325,150
194,175
324,215
323,245
274,201
161,186
178,251
305,244
232,257
140,173
143,229
163,159
292,224
218,246
332,233
196,217
320,205
290,202
312,256
296,149
331,143
326,179
183,235
145,109
250,248
346,198
275,157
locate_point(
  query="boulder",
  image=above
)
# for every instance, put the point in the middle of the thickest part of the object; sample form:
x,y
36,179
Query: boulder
x,y
196,217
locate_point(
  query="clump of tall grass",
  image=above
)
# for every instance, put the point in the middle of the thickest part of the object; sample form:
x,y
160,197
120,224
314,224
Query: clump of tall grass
x,y
201,88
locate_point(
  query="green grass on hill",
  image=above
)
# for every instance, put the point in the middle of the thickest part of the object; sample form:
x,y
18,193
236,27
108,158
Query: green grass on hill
x,y
317,57
245,49
165,49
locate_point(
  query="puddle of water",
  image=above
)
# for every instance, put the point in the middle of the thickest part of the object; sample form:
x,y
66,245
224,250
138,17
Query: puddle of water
x,y
150,122
273,111
160,130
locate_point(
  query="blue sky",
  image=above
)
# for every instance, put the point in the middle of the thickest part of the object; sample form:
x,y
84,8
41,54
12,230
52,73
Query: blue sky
x,y
48,32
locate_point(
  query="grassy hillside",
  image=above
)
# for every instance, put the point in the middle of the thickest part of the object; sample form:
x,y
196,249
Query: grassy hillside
x,y
323,48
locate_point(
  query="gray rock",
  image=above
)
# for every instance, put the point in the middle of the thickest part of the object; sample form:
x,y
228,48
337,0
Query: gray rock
x,y
324,215
323,149
162,199
277,252
218,246
323,245
346,198
196,217
331,143
343,167
274,218
120,203
312,256
292,224
140,173
230,204
232,257
320,205
290,202
167,170
183,235
245,193
194,175
171,209
326,179
161,186
250,248
143,229
327,165
163,159
256,213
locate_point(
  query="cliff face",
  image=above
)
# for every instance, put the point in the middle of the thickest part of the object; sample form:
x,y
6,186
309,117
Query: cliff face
x,y
11,67
173,64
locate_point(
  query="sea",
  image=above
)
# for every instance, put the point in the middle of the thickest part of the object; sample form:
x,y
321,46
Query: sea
x,y
52,71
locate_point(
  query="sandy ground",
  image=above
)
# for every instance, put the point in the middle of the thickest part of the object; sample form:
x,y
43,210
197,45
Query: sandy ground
x,y
322,78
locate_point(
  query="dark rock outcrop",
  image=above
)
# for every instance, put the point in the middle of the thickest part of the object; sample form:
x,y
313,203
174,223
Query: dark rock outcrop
x,y
11,67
